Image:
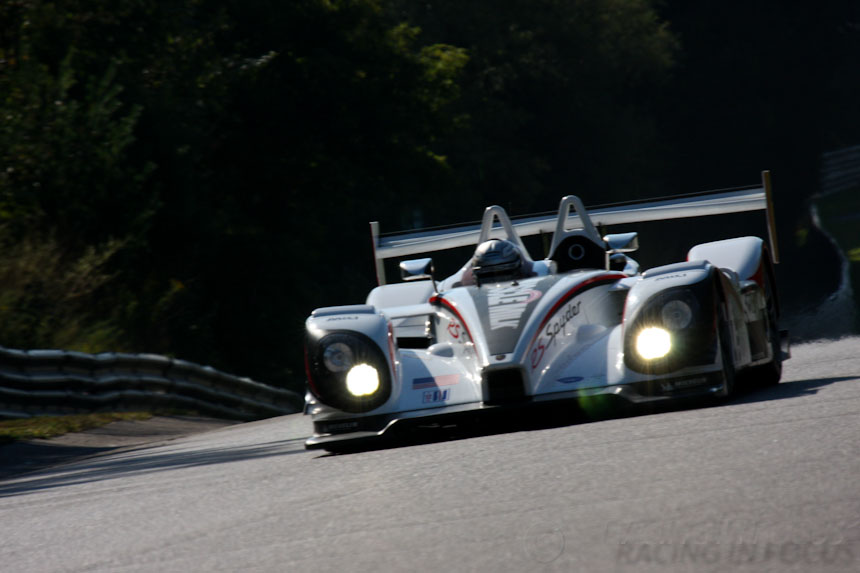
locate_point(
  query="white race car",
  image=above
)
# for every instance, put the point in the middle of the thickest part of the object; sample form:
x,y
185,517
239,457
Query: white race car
x,y
507,331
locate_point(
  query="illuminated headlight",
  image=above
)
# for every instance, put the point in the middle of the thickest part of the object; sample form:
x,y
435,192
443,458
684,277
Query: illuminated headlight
x,y
348,371
362,380
671,330
653,343
676,315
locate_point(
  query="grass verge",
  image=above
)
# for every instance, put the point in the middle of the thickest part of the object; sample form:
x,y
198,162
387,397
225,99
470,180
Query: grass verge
x,y
51,426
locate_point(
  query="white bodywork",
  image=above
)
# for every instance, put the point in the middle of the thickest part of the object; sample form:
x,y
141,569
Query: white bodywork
x,y
561,334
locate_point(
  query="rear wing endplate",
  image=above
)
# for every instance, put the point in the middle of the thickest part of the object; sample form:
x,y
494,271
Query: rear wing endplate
x,y
722,202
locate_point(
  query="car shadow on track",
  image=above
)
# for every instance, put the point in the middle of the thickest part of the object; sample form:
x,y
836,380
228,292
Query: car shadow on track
x,y
559,416
23,457
114,463
750,393
486,423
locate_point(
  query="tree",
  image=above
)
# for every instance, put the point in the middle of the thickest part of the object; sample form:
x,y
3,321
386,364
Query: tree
x,y
559,97
767,85
70,195
215,152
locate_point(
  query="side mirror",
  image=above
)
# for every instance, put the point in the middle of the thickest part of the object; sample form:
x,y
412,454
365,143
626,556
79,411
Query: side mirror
x,y
622,242
416,270
623,263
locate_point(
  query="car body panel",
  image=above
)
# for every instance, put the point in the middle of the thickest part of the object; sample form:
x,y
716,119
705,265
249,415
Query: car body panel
x,y
457,347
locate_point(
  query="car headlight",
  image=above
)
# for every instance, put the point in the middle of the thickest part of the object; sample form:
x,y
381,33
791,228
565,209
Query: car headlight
x,y
348,371
676,314
672,330
338,357
362,380
653,342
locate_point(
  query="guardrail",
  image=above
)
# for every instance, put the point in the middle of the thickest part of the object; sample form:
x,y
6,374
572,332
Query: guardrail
x,y
52,382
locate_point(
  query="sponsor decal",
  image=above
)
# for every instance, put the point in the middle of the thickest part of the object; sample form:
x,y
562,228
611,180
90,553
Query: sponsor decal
x,y
454,329
560,321
504,311
433,396
672,385
507,305
333,318
438,299
557,325
667,277
583,381
340,426
545,336
435,381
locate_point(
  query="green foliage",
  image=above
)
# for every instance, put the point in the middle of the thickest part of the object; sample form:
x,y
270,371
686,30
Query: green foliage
x,y
556,94
43,427
771,85
49,298
64,156
193,177
71,196
224,149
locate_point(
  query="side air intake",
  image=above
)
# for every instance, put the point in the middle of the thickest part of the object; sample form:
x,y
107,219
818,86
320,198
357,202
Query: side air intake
x,y
503,386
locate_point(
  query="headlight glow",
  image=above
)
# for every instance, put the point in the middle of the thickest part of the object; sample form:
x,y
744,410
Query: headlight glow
x,y
349,371
673,328
653,343
676,314
362,380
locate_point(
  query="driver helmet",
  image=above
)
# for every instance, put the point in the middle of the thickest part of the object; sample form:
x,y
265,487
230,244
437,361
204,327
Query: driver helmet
x,y
497,260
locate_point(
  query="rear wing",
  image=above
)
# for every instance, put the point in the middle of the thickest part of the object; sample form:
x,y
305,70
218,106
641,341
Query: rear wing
x,y
720,202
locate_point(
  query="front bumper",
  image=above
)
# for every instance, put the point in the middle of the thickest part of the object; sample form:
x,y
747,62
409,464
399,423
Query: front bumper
x,y
365,431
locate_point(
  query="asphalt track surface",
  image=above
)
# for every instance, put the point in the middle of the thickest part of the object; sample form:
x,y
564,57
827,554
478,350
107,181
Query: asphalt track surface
x,y
769,481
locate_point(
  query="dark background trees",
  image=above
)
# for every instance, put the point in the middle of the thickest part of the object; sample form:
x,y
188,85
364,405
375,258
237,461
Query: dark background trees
x,y
194,177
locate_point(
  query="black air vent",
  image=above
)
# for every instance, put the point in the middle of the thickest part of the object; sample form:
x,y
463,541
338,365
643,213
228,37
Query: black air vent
x,y
503,386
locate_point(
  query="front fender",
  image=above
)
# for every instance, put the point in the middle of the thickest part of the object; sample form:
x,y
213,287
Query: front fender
x,y
367,337
743,255
694,284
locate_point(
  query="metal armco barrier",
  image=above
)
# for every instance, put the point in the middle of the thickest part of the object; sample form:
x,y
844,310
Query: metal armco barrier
x,y
51,382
